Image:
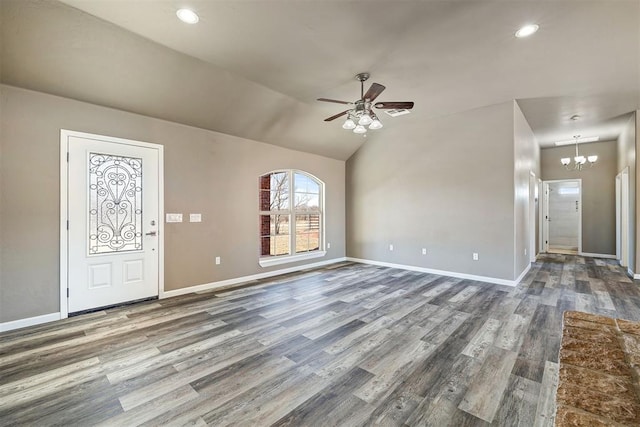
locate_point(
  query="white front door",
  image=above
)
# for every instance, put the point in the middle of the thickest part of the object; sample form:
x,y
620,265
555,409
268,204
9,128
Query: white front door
x,y
564,215
114,214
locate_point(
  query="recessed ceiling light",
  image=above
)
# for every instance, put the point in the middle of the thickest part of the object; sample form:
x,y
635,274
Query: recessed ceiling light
x,y
527,30
188,16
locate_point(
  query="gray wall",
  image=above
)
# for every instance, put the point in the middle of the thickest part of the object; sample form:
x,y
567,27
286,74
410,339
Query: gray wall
x,y
205,172
626,145
449,189
598,191
526,160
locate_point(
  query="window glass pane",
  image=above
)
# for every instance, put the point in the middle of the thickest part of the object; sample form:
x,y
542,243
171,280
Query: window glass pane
x,y
306,184
301,182
265,246
307,233
274,235
274,192
280,245
115,204
279,200
279,225
265,200
280,181
307,202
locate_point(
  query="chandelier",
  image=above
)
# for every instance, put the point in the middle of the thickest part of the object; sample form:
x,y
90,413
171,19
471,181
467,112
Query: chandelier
x,y
579,161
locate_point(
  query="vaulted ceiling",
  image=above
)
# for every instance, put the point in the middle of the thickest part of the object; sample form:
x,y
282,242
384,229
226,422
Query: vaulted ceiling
x,y
254,68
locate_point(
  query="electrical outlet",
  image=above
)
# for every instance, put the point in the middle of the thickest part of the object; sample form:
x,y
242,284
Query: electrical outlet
x,y
475,256
328,245
424,251
390,247
217,260
525,251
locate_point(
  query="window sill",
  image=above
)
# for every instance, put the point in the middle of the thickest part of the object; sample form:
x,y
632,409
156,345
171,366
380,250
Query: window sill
x,y
269,261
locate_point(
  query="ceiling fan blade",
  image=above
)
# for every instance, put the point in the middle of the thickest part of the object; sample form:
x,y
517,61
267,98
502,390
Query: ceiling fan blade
x,y
394,105
373,92
334,100
328,119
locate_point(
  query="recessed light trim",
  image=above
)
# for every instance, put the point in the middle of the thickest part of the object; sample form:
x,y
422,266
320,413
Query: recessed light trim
x,y
527,30
188,16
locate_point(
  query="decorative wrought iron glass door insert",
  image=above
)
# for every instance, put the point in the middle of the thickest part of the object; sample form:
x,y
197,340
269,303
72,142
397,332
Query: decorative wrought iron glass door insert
x,y
115,204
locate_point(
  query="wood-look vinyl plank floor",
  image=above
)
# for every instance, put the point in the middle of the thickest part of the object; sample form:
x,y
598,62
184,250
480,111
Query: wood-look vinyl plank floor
x,y
348,344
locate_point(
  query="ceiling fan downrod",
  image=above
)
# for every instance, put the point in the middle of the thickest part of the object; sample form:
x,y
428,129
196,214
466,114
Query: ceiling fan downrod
x,y
362,77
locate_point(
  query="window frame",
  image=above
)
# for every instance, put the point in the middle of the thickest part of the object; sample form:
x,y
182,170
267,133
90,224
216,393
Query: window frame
x,y
270,260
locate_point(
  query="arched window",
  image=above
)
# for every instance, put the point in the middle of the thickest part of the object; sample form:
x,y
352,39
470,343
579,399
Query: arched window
x,y
291,222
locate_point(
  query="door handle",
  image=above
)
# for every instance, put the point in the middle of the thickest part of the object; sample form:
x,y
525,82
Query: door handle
x,y
152,233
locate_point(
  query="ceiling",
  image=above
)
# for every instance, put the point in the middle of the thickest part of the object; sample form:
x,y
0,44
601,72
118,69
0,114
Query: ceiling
x,y
254,68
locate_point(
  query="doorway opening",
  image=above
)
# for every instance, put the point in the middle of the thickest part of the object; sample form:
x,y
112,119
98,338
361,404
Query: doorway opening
x,y
563,216
111,228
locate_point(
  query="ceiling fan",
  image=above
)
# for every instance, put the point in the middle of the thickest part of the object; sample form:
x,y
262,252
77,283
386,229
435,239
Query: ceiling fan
x,y
361,113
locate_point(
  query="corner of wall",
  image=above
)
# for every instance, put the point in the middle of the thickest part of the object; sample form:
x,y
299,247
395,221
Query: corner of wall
x,y
526,160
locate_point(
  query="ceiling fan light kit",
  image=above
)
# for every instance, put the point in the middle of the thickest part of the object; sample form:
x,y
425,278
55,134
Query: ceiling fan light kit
x,y
361,114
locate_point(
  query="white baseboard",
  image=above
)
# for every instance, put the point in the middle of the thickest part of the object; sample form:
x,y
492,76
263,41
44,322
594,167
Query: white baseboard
x,y
524,273
243,279
442,272
30,321
45,318
591,255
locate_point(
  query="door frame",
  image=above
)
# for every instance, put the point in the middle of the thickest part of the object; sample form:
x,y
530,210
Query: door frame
x,y
533,189
540,247
622,218
545,219
64,207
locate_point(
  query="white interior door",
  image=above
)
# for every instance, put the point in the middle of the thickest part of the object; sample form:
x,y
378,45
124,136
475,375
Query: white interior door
x,y
113,221
564,216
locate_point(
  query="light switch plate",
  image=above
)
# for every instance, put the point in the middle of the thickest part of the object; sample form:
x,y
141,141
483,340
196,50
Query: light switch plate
x,y
174,217
195,217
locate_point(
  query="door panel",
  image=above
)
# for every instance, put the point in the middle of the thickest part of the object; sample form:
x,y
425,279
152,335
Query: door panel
x,y
564,215
113,211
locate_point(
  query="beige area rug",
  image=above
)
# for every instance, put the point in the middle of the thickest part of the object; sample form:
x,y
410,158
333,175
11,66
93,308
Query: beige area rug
x,y
599,372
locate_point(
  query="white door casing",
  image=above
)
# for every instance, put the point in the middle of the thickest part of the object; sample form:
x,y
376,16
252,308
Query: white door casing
x,y
624,218
533,189
540,247
563,215
618,217
545,216
111,202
